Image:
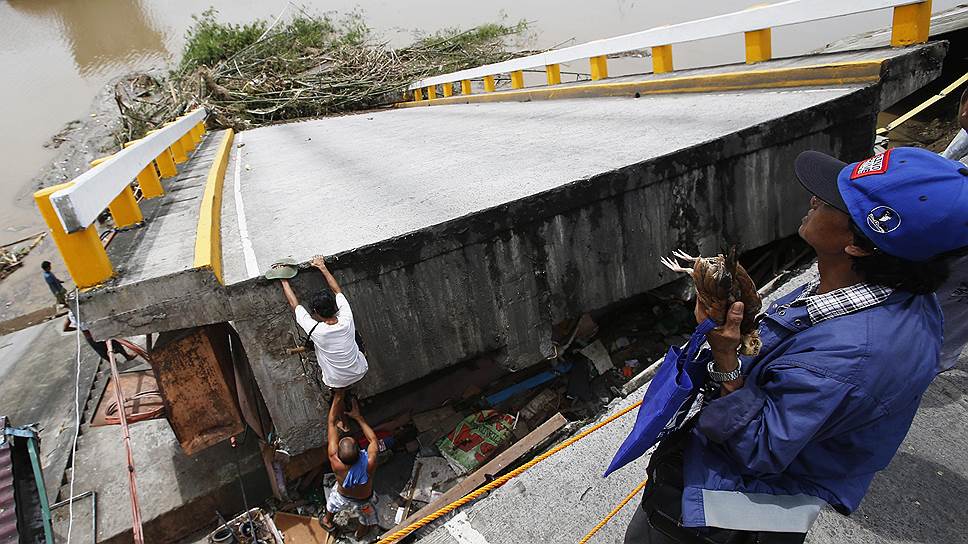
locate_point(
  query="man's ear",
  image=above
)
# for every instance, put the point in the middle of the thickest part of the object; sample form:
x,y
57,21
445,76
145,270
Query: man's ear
x,y
857,251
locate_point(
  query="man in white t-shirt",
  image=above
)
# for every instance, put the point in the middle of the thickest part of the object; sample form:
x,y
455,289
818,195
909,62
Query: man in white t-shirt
x,y
329,323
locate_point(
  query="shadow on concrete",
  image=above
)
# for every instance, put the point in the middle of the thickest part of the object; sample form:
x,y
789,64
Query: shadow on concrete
x,y
915,500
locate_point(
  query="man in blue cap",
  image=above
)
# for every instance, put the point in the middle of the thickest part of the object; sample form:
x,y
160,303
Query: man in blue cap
x,y
844,363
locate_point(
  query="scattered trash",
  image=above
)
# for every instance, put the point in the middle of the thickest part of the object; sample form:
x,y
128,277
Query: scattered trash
x,y
476,439
252,527
599,356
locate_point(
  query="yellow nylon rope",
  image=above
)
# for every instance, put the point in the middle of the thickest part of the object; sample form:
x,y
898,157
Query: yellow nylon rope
x,y
614,511
503,479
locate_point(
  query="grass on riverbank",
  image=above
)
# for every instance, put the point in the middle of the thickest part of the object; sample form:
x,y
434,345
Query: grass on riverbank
x,y
304,66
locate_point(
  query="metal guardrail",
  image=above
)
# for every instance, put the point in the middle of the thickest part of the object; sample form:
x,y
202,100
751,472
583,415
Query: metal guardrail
x,y
71,209
912,19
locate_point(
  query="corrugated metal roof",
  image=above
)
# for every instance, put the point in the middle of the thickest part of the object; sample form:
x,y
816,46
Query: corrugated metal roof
x,y
8,504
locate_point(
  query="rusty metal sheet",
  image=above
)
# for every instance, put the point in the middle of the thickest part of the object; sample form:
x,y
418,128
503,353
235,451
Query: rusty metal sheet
x,y
194,371
8,504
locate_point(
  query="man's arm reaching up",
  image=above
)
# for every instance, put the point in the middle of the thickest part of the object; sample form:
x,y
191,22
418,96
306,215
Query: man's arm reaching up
x,y
290,294
332,433
373,448
320,262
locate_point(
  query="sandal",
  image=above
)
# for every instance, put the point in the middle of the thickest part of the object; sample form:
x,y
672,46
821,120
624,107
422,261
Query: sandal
x,y
330,528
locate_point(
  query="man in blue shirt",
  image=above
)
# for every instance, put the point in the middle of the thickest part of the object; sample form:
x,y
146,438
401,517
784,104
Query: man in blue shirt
x,y
55,284
844,363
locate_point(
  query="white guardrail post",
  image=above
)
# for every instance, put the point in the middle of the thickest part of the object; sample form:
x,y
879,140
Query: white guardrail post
x,y
70,209
912,19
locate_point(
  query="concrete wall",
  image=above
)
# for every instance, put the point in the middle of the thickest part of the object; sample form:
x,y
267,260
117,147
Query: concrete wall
x,y
500,280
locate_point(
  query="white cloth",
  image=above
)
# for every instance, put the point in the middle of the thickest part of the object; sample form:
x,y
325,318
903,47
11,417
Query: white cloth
x,y
338,355
73,321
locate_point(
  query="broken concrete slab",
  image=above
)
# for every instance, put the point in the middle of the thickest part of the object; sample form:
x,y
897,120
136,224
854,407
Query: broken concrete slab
x,y
438,273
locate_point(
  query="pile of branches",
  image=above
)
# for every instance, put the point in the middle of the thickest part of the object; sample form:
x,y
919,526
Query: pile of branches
x,y
305,66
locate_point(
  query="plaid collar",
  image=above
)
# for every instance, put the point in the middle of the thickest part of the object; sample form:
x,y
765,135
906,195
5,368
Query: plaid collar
x,y
843,301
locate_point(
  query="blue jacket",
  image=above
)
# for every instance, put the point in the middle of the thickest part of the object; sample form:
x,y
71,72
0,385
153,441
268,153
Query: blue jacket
x,y
823,409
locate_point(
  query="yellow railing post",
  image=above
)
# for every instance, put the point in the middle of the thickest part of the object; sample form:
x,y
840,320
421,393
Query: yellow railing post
x,y
417,94
195,135
448,89
431,92
517,79
149,182
661,59
465,86
83,253
553,73
759,46
148,178
124,208
489,86
912,24
599,67
178,152
188,143
166,164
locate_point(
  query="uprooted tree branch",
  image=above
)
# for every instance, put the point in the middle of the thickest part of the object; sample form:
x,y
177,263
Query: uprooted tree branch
x,y
305,66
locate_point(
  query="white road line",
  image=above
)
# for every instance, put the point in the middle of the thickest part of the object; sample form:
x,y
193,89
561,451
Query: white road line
x,y
251,265
463,532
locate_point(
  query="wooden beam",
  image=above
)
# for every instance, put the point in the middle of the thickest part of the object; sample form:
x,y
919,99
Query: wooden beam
x,y
482,475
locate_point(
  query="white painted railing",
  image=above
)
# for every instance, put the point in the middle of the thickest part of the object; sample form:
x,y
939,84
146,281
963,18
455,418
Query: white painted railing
x,y
751,20
70,209
79,205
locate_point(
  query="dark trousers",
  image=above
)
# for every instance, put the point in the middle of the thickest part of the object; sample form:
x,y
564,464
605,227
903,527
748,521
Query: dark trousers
x,y
657,520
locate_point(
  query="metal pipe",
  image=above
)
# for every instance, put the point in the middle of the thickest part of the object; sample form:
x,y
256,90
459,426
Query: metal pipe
x,y
136,528
76,498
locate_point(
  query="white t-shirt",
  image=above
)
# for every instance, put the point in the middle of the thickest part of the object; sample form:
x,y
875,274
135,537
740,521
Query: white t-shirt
x,y
338,355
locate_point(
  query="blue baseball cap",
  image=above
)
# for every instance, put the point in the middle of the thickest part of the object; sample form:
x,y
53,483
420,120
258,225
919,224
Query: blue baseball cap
x,y
910,202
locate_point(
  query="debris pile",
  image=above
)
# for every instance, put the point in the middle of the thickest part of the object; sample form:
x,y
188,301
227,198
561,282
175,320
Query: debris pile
x,y
12,258
303,66
446,436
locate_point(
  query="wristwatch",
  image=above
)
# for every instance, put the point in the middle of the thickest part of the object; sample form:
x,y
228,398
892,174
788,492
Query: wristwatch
x,y
720,377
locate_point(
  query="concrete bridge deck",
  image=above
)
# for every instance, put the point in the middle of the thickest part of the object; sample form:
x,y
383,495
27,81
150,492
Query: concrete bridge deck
x,y
467,228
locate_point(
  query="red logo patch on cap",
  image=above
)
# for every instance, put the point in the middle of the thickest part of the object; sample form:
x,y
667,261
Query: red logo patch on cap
x,y
874,165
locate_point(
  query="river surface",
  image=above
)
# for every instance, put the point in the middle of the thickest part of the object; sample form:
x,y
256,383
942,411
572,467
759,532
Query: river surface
x,y
55,55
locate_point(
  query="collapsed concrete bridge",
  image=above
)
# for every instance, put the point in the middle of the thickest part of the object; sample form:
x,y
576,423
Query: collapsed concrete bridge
x,y
476,224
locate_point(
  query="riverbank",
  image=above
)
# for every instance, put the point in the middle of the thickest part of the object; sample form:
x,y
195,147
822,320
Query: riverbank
x,y
27,299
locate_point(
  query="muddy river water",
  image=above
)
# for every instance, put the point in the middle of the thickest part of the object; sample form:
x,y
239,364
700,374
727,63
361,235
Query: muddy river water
x,y
55,55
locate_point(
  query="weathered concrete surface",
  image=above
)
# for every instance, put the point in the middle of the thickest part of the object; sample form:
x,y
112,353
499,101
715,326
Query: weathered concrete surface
x,y
178,494
942,24
918,498
37,375
156,261
473,228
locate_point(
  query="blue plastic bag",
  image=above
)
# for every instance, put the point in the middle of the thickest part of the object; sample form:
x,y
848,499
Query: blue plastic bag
x,y
669,399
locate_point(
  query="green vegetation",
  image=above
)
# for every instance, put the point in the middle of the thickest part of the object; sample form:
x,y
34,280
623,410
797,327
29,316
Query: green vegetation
x,y
304,66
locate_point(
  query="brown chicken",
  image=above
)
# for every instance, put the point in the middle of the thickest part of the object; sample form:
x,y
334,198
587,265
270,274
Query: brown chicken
x,y
721,281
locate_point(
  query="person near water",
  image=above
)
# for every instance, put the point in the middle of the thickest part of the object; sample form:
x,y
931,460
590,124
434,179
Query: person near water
x,y
54,283
329,323
354,469
844,363
71,324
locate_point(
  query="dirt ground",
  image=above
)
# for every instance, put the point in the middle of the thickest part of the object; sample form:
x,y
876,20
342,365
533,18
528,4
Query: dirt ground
x,y
24,297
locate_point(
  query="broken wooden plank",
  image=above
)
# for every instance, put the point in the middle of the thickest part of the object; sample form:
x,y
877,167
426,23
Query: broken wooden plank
x,y
301,529
496,465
